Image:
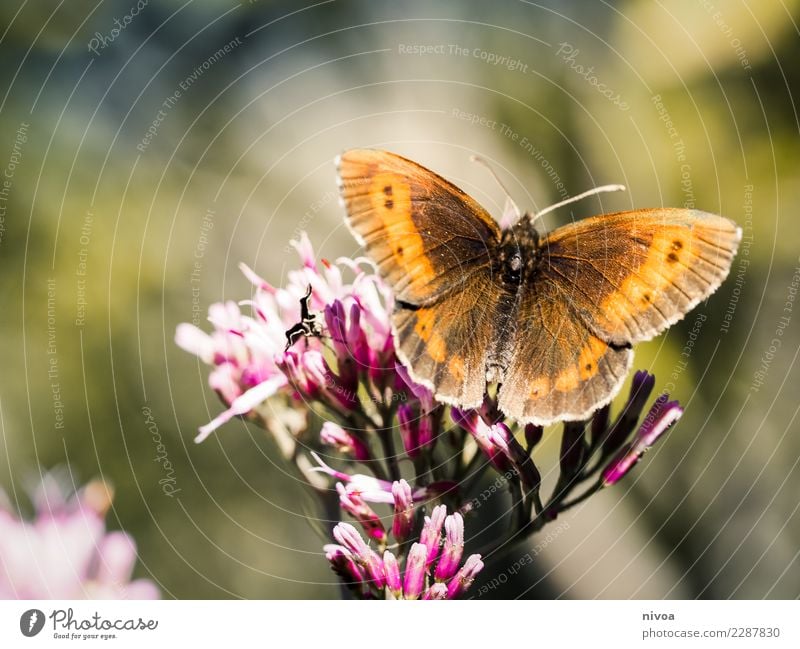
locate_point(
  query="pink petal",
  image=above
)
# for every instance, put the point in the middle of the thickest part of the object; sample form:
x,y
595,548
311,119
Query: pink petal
x,y
243,404
195,341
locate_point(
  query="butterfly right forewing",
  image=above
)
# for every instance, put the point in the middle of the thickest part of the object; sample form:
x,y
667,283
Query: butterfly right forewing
x,y
603,284
631,275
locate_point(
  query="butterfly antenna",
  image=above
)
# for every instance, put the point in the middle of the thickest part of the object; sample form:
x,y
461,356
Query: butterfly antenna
x,y
510,205
573,199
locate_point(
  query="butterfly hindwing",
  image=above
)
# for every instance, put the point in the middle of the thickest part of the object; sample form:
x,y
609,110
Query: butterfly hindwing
x,y
558,369
446,345
425,235
631,275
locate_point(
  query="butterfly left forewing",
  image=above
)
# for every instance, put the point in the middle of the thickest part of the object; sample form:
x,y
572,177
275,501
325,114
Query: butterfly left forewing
x,y
425,235
434,246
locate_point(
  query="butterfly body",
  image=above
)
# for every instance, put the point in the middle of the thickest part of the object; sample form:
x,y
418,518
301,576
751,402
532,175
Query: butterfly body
x,y
551,319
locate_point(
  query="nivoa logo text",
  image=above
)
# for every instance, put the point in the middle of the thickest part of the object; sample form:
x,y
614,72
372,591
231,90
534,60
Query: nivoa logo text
x,y
67,626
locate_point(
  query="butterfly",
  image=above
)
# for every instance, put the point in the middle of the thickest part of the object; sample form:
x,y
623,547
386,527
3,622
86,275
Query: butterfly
x,y
551,318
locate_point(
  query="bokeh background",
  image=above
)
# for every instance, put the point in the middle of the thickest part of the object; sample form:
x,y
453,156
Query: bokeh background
x,y
189,136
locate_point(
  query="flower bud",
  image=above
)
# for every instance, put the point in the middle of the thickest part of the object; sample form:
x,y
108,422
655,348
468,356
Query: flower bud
x,y
403,520
415,571
465,577
453,547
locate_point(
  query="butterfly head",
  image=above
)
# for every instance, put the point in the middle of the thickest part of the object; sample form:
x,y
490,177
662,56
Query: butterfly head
x,y
518,251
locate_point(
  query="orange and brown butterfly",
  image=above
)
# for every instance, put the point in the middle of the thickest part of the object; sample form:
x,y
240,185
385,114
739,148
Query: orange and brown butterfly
x,y
550,318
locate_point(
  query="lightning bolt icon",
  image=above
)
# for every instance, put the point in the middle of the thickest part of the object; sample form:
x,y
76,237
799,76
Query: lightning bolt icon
x,y
32,620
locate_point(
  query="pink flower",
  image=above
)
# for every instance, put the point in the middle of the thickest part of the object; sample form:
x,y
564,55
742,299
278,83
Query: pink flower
x,y
453,547
369,488
354,504
660,418
343,563
357,563
465,576
324,344
482,433
415,430
503,439
374,490
437,591
65,552
392,573
403,510
432,532
247,351
351,540
414,582
344,442
423,394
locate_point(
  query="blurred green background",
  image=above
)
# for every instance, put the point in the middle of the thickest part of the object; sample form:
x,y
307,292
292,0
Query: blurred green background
x,y
135,148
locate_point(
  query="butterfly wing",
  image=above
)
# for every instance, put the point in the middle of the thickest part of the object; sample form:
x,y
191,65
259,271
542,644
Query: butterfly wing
x,y
446,346
424,234
631,275
433,245
603,284
558,369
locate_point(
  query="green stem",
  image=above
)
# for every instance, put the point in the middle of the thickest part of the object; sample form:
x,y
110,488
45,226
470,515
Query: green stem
x,y
597,486
387,440
518,500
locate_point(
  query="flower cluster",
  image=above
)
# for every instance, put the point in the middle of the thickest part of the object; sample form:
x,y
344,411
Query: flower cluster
x,y
324,345
65,552
249,351
432,570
